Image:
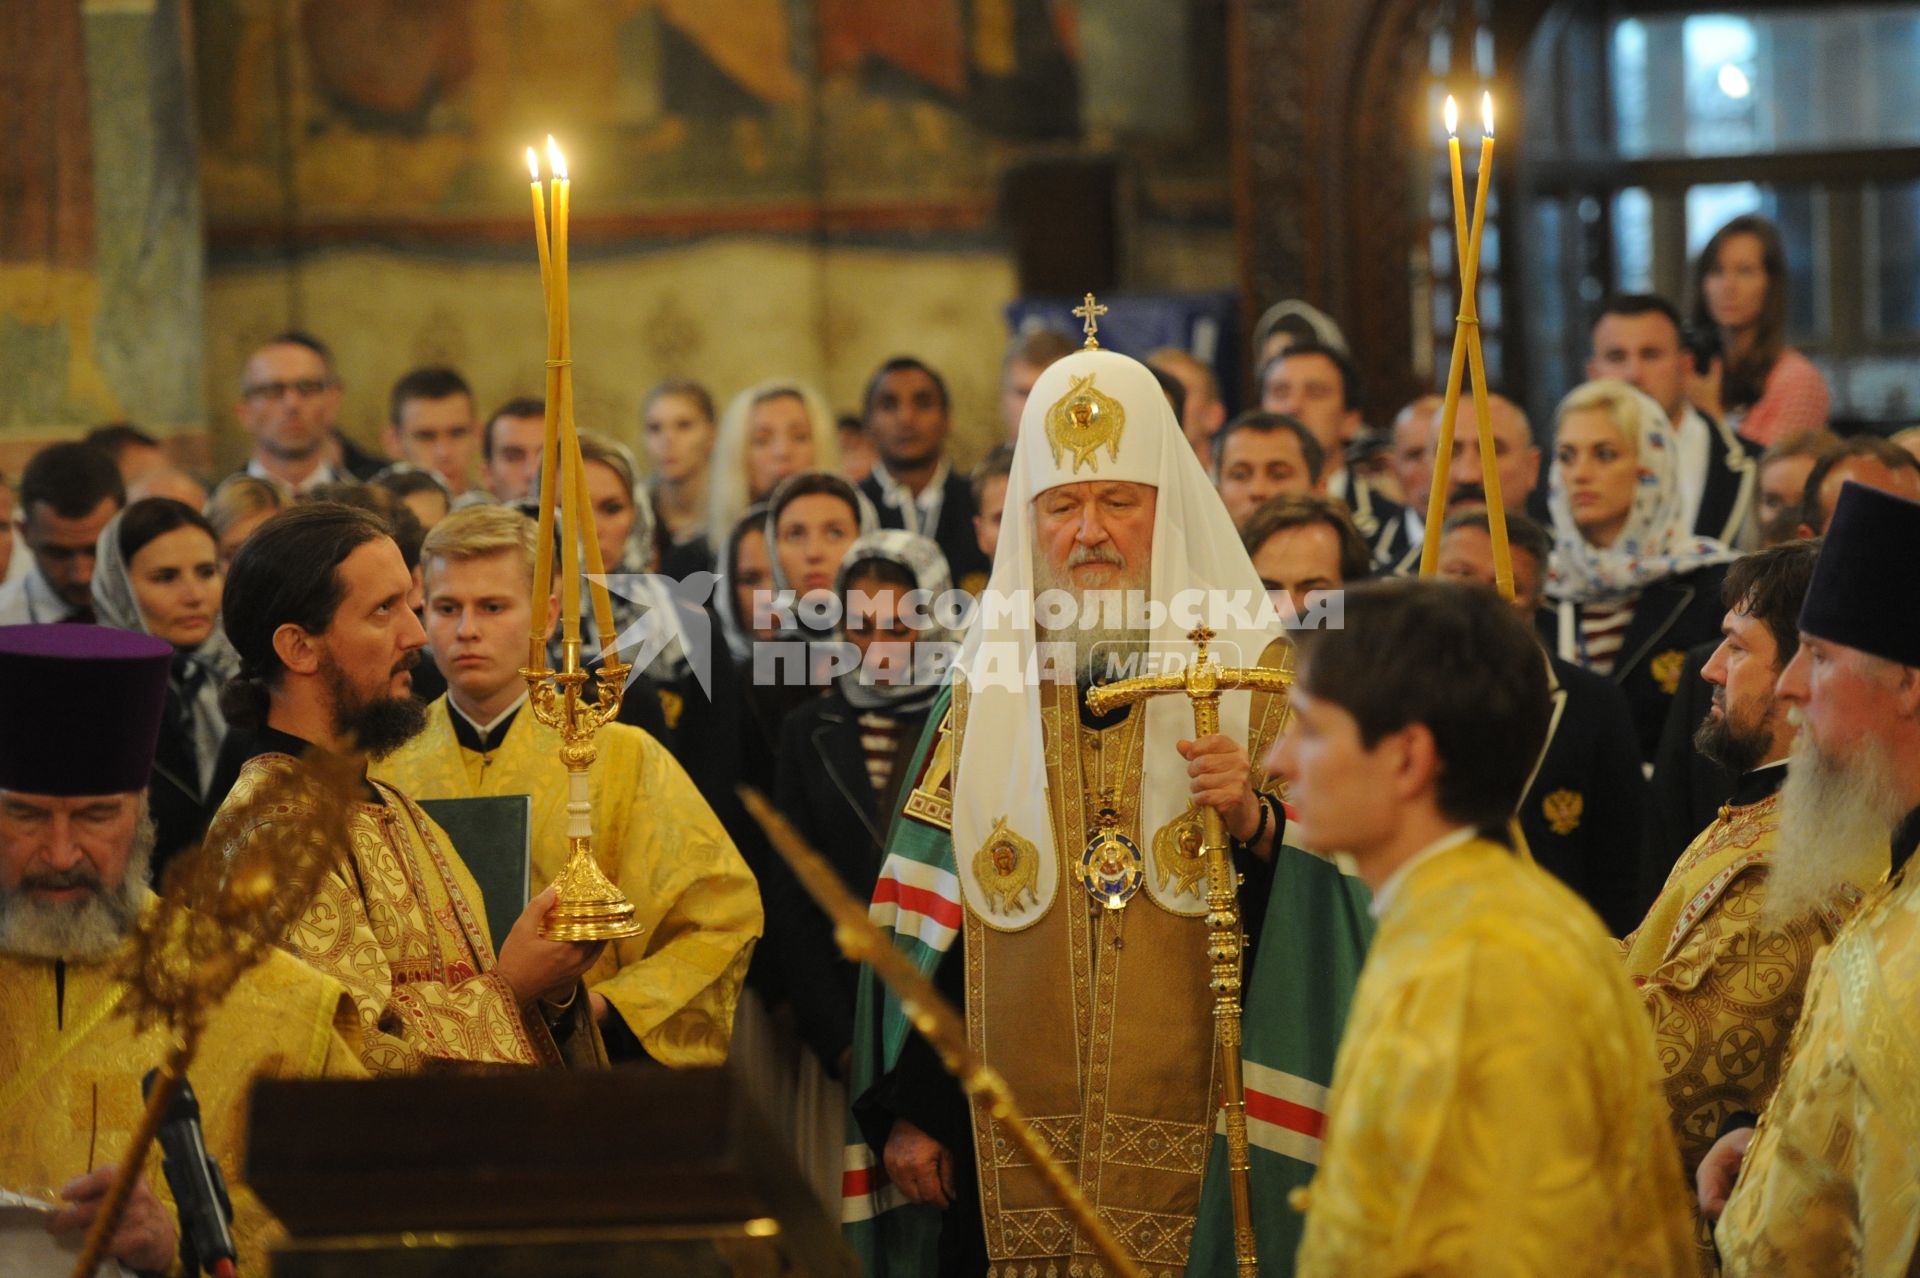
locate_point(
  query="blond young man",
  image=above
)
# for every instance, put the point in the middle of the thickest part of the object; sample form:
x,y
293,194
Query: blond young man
x,y
669,993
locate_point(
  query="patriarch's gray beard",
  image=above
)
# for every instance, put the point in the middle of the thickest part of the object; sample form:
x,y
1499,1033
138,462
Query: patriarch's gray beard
x,y
1101,654
81,931
1836,827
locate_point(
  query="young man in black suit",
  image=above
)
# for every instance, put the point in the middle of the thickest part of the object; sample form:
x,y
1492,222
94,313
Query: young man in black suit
x,y
912,485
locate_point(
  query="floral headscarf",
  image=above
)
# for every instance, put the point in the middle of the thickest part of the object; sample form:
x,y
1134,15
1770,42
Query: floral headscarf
x,y
1657,542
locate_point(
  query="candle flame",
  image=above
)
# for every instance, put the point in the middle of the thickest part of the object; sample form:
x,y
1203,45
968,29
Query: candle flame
x,y
1486,113
533,163
555,160
1451,112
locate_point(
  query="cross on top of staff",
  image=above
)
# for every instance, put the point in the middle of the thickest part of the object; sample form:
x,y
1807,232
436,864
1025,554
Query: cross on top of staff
x,y
1091,311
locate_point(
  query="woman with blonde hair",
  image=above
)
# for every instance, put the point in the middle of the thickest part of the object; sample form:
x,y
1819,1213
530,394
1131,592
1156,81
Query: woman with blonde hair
x,y
238,506
771,430
1630,587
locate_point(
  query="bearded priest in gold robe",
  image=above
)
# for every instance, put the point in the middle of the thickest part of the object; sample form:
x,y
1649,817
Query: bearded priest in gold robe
x,y
668,994
1074,926
1494,1108
316,606
1720,972
1831,1182
75,845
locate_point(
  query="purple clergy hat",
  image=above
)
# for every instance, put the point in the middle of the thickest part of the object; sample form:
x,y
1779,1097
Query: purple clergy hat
x,y
1855,598
80,708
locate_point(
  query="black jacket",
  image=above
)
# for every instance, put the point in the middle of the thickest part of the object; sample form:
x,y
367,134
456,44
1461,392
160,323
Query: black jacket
x,y
822,786
1382,523
1587,814
953,534
1671,616
1688,787
1732,472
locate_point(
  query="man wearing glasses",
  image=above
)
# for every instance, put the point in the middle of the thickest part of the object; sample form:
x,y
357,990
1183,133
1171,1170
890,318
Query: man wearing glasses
x,y
290,405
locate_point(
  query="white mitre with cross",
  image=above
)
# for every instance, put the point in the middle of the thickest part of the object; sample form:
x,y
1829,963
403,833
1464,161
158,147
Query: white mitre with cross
x,y
1095,416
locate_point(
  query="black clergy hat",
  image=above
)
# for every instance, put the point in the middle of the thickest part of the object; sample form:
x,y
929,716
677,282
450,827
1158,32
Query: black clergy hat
x,y
80,708
1862,593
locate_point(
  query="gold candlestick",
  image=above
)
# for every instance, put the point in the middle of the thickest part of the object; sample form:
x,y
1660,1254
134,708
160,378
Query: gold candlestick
x,y
588,906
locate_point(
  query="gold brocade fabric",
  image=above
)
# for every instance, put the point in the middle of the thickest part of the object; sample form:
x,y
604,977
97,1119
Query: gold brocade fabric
x,y
1101,1022
676,984
1724,990
70,1084
394,921
1494,1108
1831,1184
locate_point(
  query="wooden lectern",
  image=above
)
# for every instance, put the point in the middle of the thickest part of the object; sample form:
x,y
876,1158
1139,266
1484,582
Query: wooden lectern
x,y
631,1172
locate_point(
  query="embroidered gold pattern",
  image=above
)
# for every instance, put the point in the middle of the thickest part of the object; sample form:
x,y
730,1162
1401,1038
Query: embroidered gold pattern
x,y
1666,669
1083,421
1007,866
1563,809
1176,850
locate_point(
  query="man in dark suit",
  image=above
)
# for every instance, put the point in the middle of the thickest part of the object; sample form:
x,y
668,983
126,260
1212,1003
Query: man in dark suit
x,y
1637,338
1319,387
1587,813
912,484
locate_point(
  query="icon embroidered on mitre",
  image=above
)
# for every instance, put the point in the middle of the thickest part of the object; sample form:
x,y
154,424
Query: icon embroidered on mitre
x,y
1081,421
1007,867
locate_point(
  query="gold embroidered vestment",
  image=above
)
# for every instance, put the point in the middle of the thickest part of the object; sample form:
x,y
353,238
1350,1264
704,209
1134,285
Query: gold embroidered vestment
x,y
1100,1020
677,983
1831,1183
70,1071
1494,1110
397,921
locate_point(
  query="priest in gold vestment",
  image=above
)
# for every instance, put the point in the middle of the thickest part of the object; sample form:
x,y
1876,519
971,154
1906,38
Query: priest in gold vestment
x,y
1721,976
316,608
1494,1108
669,993
75,847
1831,1181
1079,894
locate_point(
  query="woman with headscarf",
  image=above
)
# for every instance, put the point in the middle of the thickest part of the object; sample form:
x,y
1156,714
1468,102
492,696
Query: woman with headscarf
x,y
1630,587
158,571
843,756
771,430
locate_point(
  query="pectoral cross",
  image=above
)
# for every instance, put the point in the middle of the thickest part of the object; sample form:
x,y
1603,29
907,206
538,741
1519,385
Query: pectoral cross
x,y
1090,311
1203,681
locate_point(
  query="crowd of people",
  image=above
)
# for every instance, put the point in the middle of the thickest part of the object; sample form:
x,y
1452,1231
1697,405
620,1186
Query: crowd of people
x,y
1713,758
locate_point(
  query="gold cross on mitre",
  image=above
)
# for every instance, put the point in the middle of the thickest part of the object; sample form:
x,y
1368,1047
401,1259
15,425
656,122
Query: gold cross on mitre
x,y
1090,311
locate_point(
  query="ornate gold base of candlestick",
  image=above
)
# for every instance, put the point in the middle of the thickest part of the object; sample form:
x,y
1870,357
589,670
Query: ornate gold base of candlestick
x,y
587,904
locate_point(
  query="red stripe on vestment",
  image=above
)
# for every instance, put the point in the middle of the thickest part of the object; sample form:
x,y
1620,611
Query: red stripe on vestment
x,y
1285,1113
914,900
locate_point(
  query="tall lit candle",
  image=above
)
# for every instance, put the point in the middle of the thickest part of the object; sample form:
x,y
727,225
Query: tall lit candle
x,y
1476,362
550,447
562,385
1450,404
